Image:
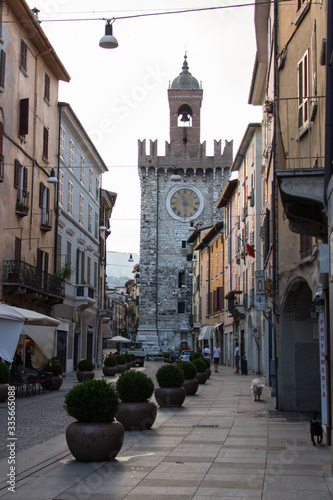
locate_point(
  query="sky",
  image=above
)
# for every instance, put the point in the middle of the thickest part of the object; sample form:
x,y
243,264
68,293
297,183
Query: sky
x,y
120,95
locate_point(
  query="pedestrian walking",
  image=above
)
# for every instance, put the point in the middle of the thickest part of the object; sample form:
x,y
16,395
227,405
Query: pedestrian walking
x,y
216,356
236,355
206,352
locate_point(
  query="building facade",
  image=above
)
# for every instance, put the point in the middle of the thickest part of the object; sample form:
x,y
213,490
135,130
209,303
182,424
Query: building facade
x,y
176,189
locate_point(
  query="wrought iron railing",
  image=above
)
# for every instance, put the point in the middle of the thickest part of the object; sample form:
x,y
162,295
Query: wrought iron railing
x,y
21,273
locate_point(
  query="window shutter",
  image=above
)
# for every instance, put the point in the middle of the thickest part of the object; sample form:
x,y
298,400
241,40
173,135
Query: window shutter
x,y
45,143
24,117
46,262
47,87
16,173
2,68
41,193
24,54
77,264
1,138
25,179
47,199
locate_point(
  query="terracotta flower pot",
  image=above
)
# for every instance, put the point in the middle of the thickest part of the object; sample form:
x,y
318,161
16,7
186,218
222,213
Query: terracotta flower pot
x,y
170,396
201,377
191,386
83,375
109,371
95,442
137,416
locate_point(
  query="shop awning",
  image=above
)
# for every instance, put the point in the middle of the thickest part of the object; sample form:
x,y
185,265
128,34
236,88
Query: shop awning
x,y
14,321
204,333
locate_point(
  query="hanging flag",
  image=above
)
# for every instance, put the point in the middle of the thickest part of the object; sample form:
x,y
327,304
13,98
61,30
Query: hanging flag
x,y
250,250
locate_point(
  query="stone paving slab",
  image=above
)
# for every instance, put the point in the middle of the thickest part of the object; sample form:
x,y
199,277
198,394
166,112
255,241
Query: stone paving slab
x,y
220,444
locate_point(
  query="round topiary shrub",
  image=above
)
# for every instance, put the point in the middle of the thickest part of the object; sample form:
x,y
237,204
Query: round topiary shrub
x,y
110,361
195,355
188,368
134,387
200,365
170,376
92,401
128,357
4,373
121,360
207,362
57,368
85,365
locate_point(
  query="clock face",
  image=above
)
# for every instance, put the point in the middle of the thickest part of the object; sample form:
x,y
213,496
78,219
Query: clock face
x,y
185,202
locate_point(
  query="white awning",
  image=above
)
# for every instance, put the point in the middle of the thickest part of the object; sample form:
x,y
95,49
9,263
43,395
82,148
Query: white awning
x,y
204,333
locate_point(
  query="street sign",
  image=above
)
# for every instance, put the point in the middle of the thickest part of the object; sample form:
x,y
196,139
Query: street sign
x,y
260,283
260,303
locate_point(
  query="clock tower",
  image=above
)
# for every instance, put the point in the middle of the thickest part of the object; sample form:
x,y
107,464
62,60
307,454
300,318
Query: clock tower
x,y
177,189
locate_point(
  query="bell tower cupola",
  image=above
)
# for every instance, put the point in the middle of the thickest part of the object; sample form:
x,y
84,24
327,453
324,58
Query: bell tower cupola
x,y
185,98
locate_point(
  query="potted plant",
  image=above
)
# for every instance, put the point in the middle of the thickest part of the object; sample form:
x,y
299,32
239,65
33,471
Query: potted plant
x,y
95,436
135,411
190,383
110,366
4,379
208,369
201,374
54,382
85,369
170,391
128,360
121,363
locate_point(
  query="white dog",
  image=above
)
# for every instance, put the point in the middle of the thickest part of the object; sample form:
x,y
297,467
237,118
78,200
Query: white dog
x,y
257,387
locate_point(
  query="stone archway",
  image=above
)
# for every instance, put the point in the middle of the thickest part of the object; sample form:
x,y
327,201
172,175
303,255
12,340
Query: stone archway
x,y
298,351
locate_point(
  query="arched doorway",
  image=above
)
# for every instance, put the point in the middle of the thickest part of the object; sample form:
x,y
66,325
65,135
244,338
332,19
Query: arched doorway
x,y
298,351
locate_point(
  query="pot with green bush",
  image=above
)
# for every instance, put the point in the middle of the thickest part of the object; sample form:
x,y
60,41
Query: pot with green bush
x,y
53,371
128,361
110,366
135,411
85,369
121,363
170,392
95,436
201,374
4,381
190,383
208,369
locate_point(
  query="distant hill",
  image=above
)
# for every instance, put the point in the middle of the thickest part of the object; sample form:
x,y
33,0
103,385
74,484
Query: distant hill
x,y
118,269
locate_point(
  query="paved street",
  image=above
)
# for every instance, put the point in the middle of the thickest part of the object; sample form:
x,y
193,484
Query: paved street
x,y
220,444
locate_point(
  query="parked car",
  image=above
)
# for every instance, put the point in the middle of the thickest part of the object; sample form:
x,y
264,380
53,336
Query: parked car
x,y
185,355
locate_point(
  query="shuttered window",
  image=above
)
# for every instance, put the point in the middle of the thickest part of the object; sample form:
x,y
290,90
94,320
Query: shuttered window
x,y
23,55
24,117
2,69
45,144
47,86
2,162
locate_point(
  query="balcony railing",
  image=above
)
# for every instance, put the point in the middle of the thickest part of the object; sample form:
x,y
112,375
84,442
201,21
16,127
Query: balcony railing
x,y
22,203
17,272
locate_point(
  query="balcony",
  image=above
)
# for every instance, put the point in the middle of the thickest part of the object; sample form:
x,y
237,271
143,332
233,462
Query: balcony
x,y
85,296
46,222
236,310
22,203
31,283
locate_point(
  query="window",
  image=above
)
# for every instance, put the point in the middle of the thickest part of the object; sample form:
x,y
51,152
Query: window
x,y
70,198
181,279
303,90
181,307
95,274
24,117
81,209
183,243
82,170
88,269
47,86
71,154
61,188
59,244
21,182
62,143
305,249
97,188
96,225
90,180
44,202
45,144
23,55
2,161
69,252
89,218
2,70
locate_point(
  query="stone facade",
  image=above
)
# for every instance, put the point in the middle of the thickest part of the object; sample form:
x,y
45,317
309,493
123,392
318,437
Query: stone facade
x,y
165,257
